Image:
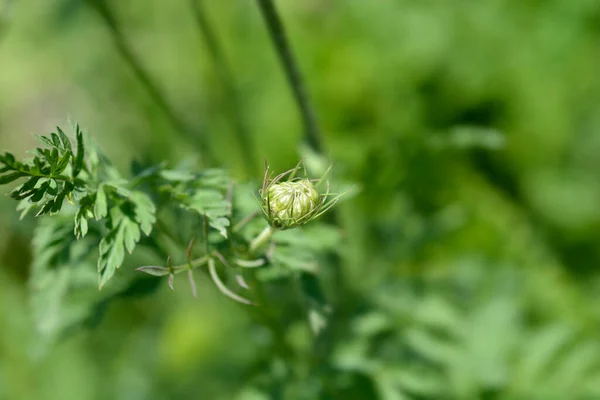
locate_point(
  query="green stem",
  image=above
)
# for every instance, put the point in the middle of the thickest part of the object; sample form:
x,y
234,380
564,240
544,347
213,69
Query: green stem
x,y
292,72
196,263
126,52
245,220
262,238
225,75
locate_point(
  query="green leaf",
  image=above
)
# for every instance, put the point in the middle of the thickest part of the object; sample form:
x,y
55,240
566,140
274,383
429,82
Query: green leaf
x,y
25,207
112,253
39,192
100,205
131,234
78,160
64,139
45,140
318,308
4,179
64,283
154,270
84,212
46,208
125,227
213,204
177,176
144,211
63,162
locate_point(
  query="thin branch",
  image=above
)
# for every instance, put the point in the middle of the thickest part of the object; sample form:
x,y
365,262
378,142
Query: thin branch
x,y
221,286
128,55
292,72
227,80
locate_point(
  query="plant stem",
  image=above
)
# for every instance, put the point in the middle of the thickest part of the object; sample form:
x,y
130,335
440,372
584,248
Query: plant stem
x,y
126,52
262,238
245,220
228,82
196,263
292,72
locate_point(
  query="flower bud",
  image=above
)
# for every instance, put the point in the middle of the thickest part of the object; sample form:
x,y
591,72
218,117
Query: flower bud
x,y
291,204
295,201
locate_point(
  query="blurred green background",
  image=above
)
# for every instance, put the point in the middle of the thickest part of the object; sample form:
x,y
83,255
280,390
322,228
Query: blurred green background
x,y
469,258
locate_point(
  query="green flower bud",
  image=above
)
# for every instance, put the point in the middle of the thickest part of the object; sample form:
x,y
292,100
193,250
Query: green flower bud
x,y
295,201
291,204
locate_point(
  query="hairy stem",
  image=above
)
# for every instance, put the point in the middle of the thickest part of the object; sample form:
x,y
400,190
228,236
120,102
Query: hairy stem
x,y
226,77
128,55
262,238
292,72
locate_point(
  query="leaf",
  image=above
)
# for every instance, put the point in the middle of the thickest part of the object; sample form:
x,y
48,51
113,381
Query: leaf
x,y
64,284
45,183
63,162
317,306
433,348
131,234
25,207
416,381
154,270
77,162
126,221
541,349
4,179
144,211
100,205
213,204
214,178
112,253
177,176
39,192
82,215
46,208
45,140
317,320
66,143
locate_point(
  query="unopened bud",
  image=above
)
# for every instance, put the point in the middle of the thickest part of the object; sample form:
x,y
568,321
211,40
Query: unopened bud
x,y
295,201
291,204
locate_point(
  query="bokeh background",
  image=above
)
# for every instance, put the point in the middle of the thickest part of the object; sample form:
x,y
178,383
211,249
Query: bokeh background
x,y
470,257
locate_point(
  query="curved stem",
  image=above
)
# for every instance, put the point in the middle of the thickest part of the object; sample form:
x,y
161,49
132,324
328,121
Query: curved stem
x,y
212,269
262,238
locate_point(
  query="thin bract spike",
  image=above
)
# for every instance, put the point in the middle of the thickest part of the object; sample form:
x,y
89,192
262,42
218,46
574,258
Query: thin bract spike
x,y
323,177
296,168
222,259
221,286
265,177
240,280
328,205
262,207
205,228
189,250
249,263
248,218
192,283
